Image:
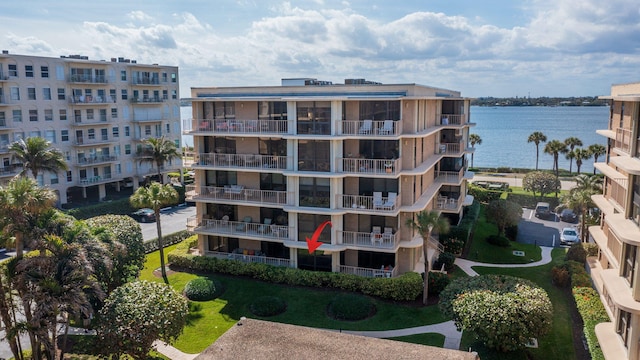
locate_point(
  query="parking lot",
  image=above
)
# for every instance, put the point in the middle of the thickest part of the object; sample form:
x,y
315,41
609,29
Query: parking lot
x,y
172,220
542,232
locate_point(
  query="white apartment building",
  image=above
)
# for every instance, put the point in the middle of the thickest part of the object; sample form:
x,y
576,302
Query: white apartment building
x,y
96,112
274,162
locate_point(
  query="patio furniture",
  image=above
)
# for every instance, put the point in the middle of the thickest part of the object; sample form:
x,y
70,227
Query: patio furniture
x,y
387,128
264,228
377,200
387,235
366,127
391,201
376,236
243,225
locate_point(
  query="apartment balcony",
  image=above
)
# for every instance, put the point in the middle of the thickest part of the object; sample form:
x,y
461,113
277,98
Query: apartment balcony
x,y
97,180
154,100
238,193
451,119
92,142
96,160
369,204
243,161
367,272
230,127
239,229
148,118
4,147
449,203
250,258
369,166
450,177
88,79
370,240
79,122
364,128
91,100
623,140
4,76
145,81
454,149
9,171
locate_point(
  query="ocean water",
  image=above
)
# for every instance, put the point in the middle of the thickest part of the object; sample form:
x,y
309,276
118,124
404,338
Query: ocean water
x,y
504,132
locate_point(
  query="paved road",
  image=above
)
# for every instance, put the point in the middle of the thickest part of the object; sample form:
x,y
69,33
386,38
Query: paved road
x,y
542,232
172,220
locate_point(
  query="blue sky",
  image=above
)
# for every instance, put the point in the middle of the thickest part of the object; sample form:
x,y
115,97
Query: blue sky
x,y
481,48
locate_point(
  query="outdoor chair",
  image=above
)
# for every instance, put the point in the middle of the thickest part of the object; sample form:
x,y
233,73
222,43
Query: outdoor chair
x,y
391,201
387,128
387,235
243,225
377,200
366,127
264,228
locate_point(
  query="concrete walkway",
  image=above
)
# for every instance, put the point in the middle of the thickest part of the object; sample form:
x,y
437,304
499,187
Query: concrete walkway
x,y
171,352
467,265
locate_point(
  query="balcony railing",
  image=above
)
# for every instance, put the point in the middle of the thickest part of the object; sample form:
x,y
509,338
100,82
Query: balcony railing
x,y
238,126
145,81
244,161
449,177
84,142
251,258
371,127
94,180
369,166
617,192
370,239
9,171
367,272
623,140
239,229
450,119
88,79
447,203
147,100
239,193
97,160
88,122
450,148
368,203
91,100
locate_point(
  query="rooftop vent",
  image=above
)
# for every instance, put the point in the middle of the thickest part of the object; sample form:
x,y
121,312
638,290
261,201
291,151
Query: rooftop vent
x,y
5,52
360,82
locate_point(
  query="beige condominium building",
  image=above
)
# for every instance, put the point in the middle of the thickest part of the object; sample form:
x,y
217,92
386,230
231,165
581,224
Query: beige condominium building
x,y
615,274
96,112
275,162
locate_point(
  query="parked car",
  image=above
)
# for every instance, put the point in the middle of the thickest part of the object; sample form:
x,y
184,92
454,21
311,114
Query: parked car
x,y
568,215
569,236
144,215
543,210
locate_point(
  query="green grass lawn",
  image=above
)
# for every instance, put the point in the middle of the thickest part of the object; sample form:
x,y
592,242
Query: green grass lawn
x,y
481,251
430,339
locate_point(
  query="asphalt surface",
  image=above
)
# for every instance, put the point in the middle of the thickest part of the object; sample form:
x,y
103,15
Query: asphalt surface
x,y
172,220
541,232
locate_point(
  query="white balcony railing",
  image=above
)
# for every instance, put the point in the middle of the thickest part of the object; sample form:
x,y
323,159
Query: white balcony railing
x,y
450,148
243,161
371,127
369,239
97,159
96,180
448,203
239,193
361,202
238,126
251,258
449,177
450,119
239,228
369,166
367,272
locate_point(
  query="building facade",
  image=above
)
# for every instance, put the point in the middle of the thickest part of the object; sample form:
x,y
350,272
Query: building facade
x,y
96,112
615,273
273,163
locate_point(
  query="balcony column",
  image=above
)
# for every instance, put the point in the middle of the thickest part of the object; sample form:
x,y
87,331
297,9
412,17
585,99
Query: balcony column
x,y
335,261
293,256
136,183
336,117
102,191
292,117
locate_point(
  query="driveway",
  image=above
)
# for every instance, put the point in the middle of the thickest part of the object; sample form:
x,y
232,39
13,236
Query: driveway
x,y
172,220
541,232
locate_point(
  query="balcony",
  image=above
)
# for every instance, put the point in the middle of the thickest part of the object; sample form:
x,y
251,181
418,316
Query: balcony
x,y
238,229
623,140
92,142
145,81
450,119
96,180
243,161
147,100
5,127
88,79
371,128
148,118
238,193
7,171
96,160
267,127
370,240
449,177
251,258
4,147
88,122
366,272
91,100
369,166
454,149
368,204
449,203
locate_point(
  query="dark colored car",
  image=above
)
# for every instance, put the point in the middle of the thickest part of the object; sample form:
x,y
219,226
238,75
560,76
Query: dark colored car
x,y
543,210
567,215
144,215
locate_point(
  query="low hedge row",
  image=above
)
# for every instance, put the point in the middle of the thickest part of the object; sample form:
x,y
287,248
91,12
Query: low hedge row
x,y
530,201
406,287
115,207
592,312
455,240
167,240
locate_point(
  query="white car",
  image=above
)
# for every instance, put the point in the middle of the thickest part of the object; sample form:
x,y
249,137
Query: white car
x,y
569,236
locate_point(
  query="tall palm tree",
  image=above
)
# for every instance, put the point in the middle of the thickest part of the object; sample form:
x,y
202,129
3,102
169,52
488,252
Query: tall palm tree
x,y
579,199
21,201
580,155
571,143
425,223
156,196
473,140
537,137
158,151
597,150
36,155
570,155
555,148
589,183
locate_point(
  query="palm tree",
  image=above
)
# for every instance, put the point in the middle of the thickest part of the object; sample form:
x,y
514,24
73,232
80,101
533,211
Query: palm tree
x,y
581,154
536,138
555,148
21,201
473,140
158,151
597,150
156,196
590,183
571,143
36,155
579,199
570,155
425,223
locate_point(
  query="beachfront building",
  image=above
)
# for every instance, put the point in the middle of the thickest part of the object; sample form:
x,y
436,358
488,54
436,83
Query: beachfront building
x,y
615,273
274,162
96,112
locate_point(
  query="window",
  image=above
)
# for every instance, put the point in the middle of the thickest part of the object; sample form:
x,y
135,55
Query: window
x,y
112,95
63,114
624,326
315,192
13,70
34,134
18,135
103,114
177,143
64,135
272,110
127,149
91,134
127,131
44,71
114,113
123,75
174,77
168,128
314,117
307,224
31,93
174,94
17,115
147,130
33,115
50,135
89,114
629,263
3,119
118,169
165,95
116,132
164,77
28,70
48,115
69,176
61,94
104,134
15,93
54,178
46,93
313,155
123,93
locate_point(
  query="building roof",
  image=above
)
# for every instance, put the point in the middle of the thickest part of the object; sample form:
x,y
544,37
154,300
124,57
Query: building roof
x,y
257,339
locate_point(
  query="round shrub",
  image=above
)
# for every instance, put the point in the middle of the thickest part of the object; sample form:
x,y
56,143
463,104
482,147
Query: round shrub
x,y
267,306
511,232
498,240
577,253
200,289
437,282
560,276
351,307
446,259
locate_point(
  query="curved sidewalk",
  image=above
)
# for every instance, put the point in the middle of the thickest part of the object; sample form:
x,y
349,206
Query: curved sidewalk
x,y
466,265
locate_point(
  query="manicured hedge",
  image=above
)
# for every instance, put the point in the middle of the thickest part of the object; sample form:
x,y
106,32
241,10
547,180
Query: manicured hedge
x,y
592,311
200,289
115,207
530,201
406,287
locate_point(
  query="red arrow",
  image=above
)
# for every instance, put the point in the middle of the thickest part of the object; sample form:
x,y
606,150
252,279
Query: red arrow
x,y
313,244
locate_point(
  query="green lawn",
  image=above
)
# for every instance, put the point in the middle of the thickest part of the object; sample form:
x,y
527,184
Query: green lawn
x,y
431,339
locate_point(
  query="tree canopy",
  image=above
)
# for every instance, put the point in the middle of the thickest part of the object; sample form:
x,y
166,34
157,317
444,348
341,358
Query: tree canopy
x,y
503,213
36,155
541,183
